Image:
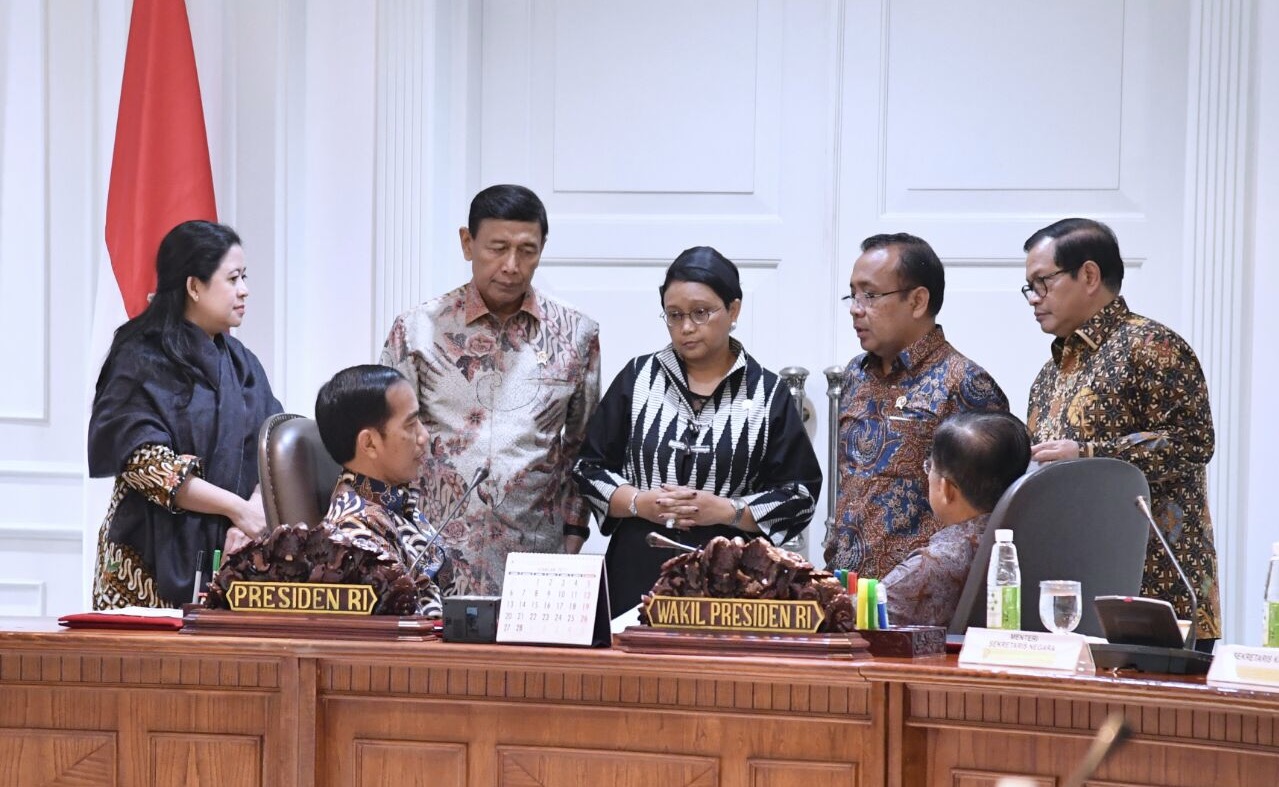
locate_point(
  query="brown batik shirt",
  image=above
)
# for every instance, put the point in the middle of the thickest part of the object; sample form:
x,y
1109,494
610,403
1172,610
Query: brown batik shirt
x,y
1125,386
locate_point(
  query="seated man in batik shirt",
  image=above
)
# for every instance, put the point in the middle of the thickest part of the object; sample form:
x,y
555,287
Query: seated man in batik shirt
x,y
368,420
975,458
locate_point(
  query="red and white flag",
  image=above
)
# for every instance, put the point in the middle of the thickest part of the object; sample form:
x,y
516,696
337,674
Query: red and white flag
x,y
160,173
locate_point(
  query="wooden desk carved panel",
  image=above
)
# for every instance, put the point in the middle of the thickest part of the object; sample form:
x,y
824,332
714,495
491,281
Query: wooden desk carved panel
x,y
522,717
98,708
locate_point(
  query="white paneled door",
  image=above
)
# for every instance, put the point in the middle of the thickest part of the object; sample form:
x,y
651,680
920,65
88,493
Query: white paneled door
x,y
651,127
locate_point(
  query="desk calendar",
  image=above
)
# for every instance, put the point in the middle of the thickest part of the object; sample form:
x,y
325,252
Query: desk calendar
x,y
554,600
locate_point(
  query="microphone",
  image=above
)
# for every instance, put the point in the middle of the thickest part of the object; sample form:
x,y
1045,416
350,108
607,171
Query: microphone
x,y
1194,600
1112,732
481,473
662,542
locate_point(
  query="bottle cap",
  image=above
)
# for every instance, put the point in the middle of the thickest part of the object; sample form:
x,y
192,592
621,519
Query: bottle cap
x,y
1003,536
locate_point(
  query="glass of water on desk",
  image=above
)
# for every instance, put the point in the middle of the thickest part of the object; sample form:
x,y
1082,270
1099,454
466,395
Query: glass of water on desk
x,y
1060,605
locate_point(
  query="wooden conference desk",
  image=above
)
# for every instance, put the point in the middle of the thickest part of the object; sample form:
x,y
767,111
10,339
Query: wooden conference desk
x,y
91,708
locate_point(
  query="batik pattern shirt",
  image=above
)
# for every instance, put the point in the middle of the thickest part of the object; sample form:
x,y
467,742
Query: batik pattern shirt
x,y
513,396
389,519
1127,387
923,590
886,425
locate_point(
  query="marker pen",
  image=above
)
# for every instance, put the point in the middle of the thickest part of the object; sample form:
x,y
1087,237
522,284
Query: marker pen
x,y
199,574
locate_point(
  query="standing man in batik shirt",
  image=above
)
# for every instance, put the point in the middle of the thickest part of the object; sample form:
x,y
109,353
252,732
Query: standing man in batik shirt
x,y
507,378
1122,385
908,381
367,418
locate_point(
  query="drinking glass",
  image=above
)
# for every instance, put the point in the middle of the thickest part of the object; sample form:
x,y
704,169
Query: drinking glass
x,y
1060,605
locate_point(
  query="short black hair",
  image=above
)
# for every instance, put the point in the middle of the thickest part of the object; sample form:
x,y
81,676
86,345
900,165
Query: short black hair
x,y
506,202
704,265
354,399
917,264
982,454
1080,240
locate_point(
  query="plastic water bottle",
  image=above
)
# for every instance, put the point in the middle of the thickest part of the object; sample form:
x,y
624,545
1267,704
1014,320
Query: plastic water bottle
x,y
1270,636
1003,584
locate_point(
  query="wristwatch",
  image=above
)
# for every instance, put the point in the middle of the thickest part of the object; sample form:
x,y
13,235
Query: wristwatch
x,y
739,508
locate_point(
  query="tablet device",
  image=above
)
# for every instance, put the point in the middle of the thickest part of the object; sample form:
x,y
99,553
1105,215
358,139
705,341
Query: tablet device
x,y
1128,620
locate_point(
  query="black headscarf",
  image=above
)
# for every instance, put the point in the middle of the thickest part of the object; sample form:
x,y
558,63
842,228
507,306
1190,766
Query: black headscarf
x,y
143,398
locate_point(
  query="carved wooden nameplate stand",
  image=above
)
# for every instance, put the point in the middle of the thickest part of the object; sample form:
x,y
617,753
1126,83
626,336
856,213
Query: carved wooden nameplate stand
x,y
304,609
741,627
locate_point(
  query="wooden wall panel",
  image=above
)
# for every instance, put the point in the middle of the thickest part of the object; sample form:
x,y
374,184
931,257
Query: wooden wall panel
x,y
46,757
555,767
971,730
206,760
801,773
966,778
410,764
106,708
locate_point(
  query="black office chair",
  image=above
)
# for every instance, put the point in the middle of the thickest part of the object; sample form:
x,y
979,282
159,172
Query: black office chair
x,y
296,472
1070,520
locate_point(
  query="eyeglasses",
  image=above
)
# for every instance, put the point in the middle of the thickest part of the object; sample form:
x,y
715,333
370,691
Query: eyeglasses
x,y
868,300
699,316
1039,285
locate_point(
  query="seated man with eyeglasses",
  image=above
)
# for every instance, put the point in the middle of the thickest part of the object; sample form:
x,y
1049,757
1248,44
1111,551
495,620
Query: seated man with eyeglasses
x,y
908,380
975,458
1122,385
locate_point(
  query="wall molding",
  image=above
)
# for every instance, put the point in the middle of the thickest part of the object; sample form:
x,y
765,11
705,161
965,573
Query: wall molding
x,y
26,469
23,533
24,597
1216,220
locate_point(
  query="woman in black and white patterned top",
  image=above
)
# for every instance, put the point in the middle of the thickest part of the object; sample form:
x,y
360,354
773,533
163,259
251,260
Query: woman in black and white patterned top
x,y
694,441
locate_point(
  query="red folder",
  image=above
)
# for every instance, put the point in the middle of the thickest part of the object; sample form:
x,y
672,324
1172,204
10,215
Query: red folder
x,y
112,620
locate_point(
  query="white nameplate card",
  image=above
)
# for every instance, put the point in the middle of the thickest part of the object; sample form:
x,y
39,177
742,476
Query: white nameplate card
x,y
1244,668
1026,651
554,600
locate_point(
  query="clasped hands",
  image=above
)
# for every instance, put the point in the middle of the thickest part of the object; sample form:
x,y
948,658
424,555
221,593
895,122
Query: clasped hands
x,y
683,508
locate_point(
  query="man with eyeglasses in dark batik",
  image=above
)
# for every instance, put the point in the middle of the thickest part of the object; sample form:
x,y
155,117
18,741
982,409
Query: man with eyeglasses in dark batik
x,y
1122,385
896,393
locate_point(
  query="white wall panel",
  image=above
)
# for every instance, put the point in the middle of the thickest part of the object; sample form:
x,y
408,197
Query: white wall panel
x,y
426,60
1216,269
644,105
1248,539
981,122
24,264
984,95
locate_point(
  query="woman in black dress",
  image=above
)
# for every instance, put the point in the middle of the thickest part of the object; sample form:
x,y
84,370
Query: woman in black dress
x,y
696,440
176,415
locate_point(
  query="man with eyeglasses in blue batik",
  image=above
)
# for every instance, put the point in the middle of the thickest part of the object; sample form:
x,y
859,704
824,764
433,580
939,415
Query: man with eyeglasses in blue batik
x,y
1122,385
908,380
